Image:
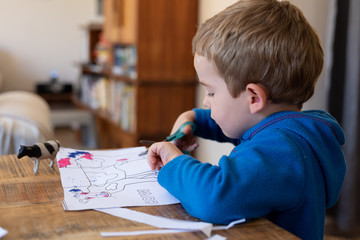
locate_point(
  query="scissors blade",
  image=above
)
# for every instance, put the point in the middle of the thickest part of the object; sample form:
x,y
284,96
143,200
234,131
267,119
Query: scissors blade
x,y
178,134
147,142
143,153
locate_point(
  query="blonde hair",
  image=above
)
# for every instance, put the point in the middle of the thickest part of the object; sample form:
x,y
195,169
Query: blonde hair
x,y
264,42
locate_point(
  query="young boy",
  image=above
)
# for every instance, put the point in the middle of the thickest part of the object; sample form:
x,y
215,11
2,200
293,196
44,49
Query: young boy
x,y
259,61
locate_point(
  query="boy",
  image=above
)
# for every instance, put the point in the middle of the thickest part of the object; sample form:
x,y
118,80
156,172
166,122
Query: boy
x,y
259,61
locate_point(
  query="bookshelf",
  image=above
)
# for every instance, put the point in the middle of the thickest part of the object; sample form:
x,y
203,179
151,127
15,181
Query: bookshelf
x,y
147,78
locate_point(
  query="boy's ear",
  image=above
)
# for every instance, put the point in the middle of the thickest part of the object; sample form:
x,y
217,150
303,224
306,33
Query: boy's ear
x,y
257,97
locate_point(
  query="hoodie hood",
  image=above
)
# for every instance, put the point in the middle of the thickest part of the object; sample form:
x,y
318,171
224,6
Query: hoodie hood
x,y
327,137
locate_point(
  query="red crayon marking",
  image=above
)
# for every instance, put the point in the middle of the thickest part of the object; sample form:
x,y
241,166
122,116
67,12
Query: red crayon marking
x,y
64,162
87,156
122,159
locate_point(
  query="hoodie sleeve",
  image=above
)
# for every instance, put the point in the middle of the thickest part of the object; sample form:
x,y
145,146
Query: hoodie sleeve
x,y
246,184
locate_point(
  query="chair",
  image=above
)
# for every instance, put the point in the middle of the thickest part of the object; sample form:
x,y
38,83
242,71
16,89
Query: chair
x,y
24,120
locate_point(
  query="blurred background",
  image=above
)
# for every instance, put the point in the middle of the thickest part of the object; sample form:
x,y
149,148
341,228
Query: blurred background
x,y
44,37
47,47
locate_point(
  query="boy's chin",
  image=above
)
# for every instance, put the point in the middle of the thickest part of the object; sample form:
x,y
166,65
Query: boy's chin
x,y
229,135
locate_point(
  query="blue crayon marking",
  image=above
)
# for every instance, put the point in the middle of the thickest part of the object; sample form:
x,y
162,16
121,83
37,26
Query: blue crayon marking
x,y
74,154
75,190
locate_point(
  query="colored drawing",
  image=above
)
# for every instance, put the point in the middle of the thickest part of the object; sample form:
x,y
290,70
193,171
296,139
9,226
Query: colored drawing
x,y
103,179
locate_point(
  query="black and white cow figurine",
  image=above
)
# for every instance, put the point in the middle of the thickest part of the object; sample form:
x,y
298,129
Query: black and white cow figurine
x,y
38,151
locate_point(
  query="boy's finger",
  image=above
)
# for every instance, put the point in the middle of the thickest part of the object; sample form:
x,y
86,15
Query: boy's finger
x,y
152,159
187,129
151,163
192,147
159,165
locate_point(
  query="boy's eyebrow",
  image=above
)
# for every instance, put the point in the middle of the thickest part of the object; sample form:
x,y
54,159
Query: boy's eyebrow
x,y
203,83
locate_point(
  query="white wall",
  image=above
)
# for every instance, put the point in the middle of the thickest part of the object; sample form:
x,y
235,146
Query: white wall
x,y
318,15
37,36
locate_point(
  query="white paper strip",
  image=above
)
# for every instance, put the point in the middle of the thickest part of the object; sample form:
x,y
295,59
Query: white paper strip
x,y
3,232
216,237
230,225
157,221
173,225
147,232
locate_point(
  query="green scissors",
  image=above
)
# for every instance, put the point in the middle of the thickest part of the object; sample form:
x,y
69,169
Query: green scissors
x,y
179,133
176,135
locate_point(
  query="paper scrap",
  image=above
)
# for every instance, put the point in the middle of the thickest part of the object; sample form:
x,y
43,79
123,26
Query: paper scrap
x,y
3,232
109,178
146,232
157,221
216,237
230,225
162,222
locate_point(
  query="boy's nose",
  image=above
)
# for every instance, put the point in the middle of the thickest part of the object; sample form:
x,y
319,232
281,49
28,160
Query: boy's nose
x,y
206,102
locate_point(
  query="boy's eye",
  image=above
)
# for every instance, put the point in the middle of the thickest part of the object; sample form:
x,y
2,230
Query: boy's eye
x,y
210,94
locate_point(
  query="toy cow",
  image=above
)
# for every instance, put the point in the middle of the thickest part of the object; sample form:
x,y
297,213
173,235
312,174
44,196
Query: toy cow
x,y
39,151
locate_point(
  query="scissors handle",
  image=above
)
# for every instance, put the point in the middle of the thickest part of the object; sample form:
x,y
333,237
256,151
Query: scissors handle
x,y
179,133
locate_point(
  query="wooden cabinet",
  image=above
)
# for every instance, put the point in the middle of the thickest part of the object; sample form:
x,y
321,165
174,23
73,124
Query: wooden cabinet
x,y
149,79
121,21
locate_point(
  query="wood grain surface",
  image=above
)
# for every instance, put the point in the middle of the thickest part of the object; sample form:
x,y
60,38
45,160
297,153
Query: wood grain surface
x,y
31,208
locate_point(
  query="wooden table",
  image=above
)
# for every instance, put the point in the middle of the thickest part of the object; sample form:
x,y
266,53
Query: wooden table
x,y
31,208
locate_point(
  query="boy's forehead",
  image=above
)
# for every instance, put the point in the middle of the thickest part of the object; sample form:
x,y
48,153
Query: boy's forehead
x,y
199,59
206,71
202,66
202,63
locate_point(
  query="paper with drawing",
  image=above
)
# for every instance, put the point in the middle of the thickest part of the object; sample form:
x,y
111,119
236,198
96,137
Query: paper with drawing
x,y
112,178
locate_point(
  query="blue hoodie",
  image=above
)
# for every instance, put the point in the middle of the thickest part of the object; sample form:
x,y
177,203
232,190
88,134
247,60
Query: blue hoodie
x,y
288,168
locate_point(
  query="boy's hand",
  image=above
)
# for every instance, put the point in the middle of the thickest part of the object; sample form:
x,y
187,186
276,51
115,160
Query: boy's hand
x,y
161,153
187,142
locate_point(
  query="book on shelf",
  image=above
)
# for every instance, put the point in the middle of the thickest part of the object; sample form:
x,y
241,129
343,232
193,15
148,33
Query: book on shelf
x,y
115,98
125,60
